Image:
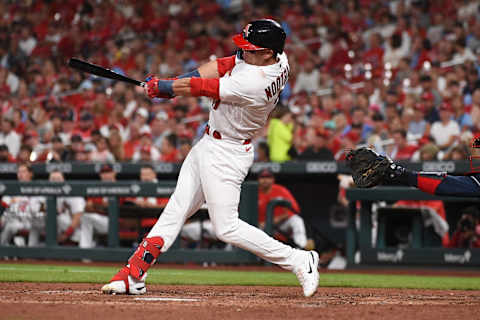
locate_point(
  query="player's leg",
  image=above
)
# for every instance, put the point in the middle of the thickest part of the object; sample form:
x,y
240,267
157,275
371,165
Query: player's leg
x,y
64,220
34,236
296,227
183,203
91,224
222,173
10,228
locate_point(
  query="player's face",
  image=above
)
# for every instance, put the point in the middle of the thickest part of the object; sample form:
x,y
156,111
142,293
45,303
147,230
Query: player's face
x,y
108,176
147,175
264,183
257,57
56,177
24,174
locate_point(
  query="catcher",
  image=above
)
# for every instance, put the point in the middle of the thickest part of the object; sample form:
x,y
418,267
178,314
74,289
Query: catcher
x,y
370,169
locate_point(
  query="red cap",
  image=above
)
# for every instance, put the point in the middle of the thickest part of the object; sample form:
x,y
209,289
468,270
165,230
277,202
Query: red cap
x,y
106,168
446,107
427,96
265,173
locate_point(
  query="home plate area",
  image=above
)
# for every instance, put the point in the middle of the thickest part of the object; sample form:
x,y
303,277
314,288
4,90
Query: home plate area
x,y
85,301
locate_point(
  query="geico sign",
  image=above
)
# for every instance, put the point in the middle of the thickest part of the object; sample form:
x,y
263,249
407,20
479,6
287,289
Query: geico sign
x,y
163,167
444,166
329,166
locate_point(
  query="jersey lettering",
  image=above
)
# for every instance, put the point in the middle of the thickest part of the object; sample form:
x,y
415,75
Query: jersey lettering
x,y
277,85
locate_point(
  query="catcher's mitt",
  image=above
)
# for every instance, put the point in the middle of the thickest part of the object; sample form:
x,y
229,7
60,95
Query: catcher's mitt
x,y
368,167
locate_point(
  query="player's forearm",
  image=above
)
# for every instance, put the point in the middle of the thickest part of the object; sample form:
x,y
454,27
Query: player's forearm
x,y
76,219
196,87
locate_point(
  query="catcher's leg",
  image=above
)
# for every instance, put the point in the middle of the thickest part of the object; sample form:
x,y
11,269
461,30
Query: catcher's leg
x,y
184,202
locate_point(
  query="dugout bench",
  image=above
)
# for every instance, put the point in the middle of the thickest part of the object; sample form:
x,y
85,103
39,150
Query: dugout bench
x,y
248,211
361,240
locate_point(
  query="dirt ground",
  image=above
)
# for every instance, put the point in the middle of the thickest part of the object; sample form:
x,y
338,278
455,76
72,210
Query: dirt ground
x,y
84,301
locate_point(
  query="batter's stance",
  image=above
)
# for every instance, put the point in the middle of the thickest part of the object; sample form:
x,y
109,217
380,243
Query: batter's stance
x,y
245,89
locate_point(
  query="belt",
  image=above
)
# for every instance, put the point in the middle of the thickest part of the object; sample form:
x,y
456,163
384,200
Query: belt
x,y
218,135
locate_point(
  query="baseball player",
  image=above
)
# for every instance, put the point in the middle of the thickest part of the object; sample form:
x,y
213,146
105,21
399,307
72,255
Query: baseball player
x,y
370,169
70,211
245,88
95,220
23,212
284,219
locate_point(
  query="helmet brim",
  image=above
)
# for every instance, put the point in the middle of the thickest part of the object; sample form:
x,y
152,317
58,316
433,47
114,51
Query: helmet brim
x,y
244,44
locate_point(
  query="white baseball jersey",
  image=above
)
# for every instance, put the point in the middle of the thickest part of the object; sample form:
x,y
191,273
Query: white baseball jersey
x,y
248,94
24,207
70,205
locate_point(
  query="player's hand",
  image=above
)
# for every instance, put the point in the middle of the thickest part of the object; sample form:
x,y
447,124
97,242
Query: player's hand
x,y
151,88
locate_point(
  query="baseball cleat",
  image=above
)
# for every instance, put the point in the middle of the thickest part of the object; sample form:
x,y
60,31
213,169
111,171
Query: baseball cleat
x,y
123,283
307,273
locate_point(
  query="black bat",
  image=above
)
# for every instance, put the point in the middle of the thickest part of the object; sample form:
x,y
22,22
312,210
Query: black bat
x,y
101,71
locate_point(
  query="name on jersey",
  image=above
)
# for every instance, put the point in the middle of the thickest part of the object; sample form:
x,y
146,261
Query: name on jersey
x,y
278,84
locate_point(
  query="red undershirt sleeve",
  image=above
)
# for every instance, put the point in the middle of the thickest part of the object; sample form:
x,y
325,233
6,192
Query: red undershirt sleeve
x,y
225,64
205,87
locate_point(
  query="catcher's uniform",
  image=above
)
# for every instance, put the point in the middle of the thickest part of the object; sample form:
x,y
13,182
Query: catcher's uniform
x,y
217,165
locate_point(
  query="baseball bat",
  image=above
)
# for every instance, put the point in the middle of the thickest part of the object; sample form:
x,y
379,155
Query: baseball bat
x,y
101,71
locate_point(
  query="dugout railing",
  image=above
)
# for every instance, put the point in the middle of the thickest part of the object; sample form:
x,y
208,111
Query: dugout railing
x,y
248,211
359,241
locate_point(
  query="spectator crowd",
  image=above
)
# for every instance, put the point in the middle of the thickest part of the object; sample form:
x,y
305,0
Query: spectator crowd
x,y
402,76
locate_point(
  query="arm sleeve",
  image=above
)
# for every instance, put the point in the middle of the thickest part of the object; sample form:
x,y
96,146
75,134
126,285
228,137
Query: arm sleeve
x,y
459,186
205,87
225,64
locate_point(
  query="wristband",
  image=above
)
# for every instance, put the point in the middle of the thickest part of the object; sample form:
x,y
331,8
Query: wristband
x,y
190,74
166,87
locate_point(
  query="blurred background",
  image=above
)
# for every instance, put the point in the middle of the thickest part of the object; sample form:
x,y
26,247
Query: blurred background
x,y
400,76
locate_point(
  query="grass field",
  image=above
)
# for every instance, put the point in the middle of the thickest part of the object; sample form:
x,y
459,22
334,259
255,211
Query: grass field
x,y
95,274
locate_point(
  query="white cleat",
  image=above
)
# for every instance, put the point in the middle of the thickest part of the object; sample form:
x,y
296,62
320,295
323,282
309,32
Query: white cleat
x,y
307,272
122,283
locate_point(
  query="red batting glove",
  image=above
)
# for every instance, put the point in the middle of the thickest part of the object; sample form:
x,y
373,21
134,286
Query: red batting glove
x,y
151,88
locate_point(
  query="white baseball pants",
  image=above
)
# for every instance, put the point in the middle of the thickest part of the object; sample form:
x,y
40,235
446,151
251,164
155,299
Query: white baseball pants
x,y
293,226
213,173
91,224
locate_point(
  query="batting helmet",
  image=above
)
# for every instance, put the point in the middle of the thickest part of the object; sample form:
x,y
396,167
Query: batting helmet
x,y
261,34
